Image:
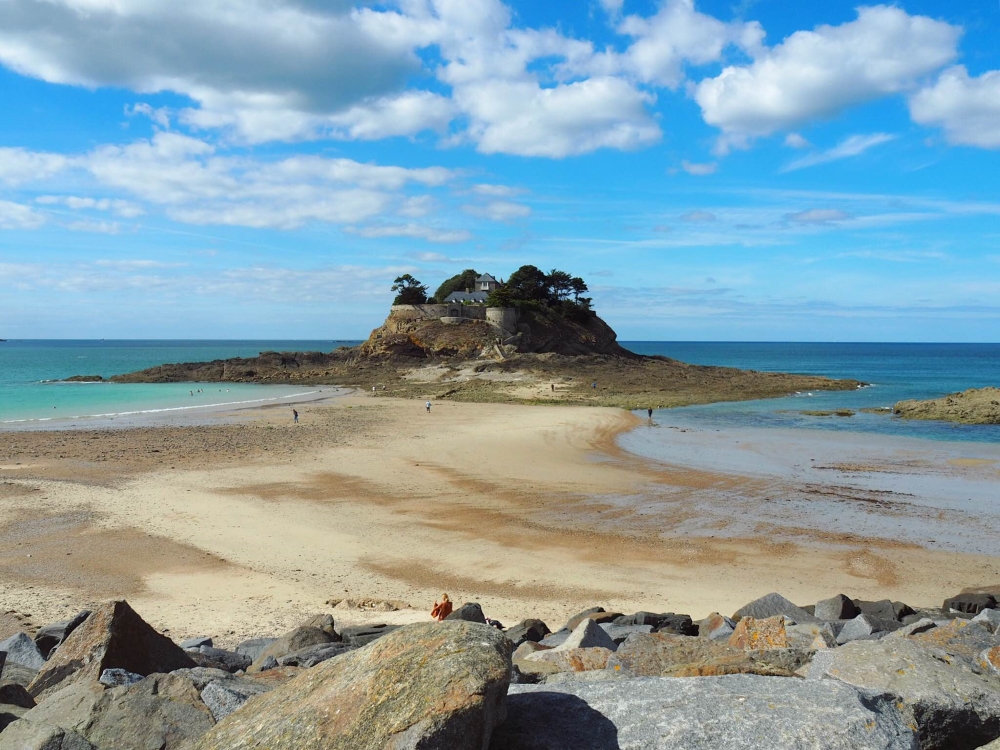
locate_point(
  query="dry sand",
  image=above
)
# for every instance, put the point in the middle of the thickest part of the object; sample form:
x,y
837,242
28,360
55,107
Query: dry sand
x,y
236,530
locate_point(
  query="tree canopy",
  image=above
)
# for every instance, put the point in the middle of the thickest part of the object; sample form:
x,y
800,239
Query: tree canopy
x,y
529,286
409,291
457,283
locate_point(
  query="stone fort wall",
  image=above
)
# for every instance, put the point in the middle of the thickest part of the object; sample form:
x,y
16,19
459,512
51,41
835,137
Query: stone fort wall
x,y
504,318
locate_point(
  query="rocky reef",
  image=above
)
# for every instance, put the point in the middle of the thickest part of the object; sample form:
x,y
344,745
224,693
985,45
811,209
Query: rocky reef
x,y
843,674
974,406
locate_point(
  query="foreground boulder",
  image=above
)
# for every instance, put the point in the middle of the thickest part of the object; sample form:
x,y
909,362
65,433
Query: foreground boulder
x,y
50,636
715,713
941,687
26,735
470,612
422,686
113,637
20,649
162,712
292,641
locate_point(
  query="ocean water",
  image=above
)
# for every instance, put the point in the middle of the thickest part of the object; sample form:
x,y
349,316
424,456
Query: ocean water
x,y
28,369
894,371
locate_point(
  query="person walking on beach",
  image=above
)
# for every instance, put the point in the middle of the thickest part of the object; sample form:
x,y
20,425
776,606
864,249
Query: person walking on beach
x,y
295,416
428,405
443,609
649,411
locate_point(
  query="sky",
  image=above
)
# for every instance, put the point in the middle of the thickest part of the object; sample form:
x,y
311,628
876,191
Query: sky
x,y
716,170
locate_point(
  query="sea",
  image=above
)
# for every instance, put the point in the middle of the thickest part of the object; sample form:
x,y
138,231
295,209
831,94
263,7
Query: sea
x,y
30,391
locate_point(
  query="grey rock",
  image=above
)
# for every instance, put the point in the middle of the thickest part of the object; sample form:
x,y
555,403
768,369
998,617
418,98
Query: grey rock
x,y
361,635
773,605
555,639
865,626
812,636
50,636
17,673
231,660
883,609
254,647
913,628
201,677
470,612
162,712
29,735
990,619
838,607
12,694
224,696
313,655
196,643
293,640
119,677
588,634
325,623
971,604
709,713
941,691
716,627
593,675
572,622
267,662
666,622
527,630
22,650
618,633
9,714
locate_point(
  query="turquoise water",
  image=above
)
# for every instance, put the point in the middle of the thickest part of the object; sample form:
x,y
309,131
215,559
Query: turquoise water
x,y
895,372
28,367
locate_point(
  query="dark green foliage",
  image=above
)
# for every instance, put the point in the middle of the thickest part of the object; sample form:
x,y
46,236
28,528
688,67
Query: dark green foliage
x,y
458,283
409,291
529,287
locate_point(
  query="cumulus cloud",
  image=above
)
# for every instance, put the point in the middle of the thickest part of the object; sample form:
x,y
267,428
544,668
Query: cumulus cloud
x,y
818,216
413,231
18,165
699,170
968,109
496,191
815,74
17,216
795,140
160,115
122,208
499,211
854,145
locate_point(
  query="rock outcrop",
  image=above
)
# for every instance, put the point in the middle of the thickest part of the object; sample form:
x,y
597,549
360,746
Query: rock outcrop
x,y
974,406
427,685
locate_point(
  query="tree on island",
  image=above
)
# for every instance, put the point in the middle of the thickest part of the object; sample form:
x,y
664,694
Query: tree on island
x,y
530,287
409,291
457,283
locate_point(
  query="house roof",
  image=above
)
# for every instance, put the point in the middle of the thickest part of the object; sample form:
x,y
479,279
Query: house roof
x,y
486,277
467,297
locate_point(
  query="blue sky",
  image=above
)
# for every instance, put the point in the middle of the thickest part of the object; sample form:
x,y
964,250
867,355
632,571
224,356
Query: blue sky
x,y
748,170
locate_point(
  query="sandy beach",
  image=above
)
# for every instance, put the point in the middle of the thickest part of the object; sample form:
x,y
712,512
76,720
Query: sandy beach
x,y
243,526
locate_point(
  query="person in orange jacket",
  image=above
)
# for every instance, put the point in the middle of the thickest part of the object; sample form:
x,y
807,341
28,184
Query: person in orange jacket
x,y
443,609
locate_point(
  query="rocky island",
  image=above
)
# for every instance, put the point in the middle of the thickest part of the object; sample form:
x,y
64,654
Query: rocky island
x,y
974,406
533,338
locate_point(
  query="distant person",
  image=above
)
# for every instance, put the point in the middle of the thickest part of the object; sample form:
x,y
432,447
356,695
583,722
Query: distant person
x,y
373,389
428,405
649,411
191,393
553,387
295,416
594,385
443,609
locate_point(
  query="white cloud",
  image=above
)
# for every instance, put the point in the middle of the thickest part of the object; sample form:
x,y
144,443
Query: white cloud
x,y
99,227
18,165
794,140
499,211
496,191
136,264
699,170
612,6
417,206
854,145
408,113
967,108
679,34
123,208
161,115
247,65
520,117
412,231
818,216
815,74
17,216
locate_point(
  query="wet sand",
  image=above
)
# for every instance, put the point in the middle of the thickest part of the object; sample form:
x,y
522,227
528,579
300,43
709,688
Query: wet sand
x,y
243,528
